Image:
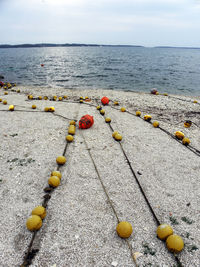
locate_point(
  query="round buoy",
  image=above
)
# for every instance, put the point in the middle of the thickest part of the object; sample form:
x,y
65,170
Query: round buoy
x,y
40,211
124,229
107,120
102,111
34,223
105,100
154,91
164,230
138,113
11,107
179,135
187,124
114,133
156,124
61,160
54,181
69,138
118,137
147,118
56,173
123,109
175,243
186,141
30,97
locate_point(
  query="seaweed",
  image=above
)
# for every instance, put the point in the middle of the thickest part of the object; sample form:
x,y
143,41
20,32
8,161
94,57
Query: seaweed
x,y
173,220
188,221
148,250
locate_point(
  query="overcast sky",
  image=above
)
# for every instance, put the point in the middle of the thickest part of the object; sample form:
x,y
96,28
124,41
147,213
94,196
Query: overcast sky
x,y
137,22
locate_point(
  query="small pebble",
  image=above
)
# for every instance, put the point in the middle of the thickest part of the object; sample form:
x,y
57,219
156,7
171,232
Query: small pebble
x,y
114,263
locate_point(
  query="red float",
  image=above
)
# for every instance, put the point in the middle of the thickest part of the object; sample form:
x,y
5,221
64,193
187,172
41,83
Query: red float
x,y
86,122
154,91
105,100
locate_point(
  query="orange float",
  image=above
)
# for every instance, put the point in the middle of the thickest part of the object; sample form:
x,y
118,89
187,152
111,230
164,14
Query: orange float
x,y
105,100
86,122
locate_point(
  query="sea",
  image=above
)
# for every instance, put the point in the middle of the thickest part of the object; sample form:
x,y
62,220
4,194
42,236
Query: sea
x,y
170,70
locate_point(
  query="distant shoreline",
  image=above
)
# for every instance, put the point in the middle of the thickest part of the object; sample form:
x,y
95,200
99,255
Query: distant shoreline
x,y
63,45
86,45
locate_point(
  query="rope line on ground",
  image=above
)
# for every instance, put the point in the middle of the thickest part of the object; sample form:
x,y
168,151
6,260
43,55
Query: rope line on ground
x,y
30,253
143,193
107,195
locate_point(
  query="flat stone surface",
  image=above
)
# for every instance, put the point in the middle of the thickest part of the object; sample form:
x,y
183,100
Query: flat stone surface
x,y
79,229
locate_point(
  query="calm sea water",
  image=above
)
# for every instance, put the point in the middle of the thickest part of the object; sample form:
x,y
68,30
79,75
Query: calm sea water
x,y
169,70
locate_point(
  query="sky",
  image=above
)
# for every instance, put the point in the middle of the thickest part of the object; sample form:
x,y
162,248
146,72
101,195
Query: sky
x,y
131,22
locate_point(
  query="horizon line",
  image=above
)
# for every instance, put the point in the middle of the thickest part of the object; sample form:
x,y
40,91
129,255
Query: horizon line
x,y
39,45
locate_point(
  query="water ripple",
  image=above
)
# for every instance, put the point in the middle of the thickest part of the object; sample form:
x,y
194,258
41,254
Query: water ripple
x,y
170,70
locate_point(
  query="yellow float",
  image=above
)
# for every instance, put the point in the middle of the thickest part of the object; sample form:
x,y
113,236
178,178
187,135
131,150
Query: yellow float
x,y
71,129
34,223
164,230
124,229
11,107
54,181
186,141
61,160
179,135
107,120
147,118
69,138
56,173
40,211
118,137
138,113
175,243
123,109
155,124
